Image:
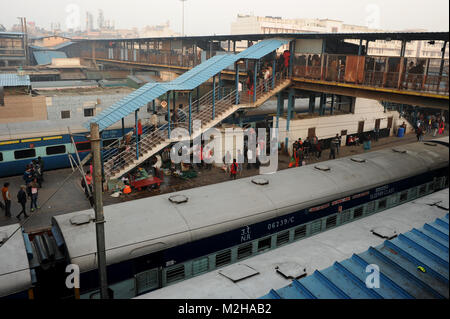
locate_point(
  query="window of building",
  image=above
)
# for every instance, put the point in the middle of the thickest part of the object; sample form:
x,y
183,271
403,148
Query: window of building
x,y
65,114
89,112
54,150
25,153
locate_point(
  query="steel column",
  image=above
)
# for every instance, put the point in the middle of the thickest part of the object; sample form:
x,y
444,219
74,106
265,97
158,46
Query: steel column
x,y
280,107
291,98
323,100
312,103
237,82
254,82
137,133
123,127
190,112
360,47
220,85
168,113
274,70
214,98
154,105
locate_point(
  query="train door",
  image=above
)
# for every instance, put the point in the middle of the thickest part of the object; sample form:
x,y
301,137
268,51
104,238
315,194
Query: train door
x,y
360,127
147,281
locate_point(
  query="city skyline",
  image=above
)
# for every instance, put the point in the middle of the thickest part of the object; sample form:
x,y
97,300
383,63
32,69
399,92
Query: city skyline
x,y
207,17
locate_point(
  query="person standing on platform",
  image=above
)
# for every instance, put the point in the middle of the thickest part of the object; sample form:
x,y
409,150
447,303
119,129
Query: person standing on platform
x,y
34,195
41,164
234,169
22,200
6,199
333,149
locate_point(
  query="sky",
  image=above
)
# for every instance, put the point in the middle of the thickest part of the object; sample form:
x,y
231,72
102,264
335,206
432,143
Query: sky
x,y
207,17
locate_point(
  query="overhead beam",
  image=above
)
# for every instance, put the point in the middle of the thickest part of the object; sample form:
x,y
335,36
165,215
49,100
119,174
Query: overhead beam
x,y
379,94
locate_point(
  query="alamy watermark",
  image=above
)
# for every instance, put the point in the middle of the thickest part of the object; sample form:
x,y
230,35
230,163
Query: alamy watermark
x,y
234,144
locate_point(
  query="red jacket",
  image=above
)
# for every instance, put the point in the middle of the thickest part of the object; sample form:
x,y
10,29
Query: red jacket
x,y
234,168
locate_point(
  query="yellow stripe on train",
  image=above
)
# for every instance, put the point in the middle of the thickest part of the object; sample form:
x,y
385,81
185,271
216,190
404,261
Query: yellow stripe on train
x,y
52,138
31,140
9,142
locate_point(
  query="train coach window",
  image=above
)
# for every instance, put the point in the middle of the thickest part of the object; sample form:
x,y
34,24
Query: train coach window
x,y
53,150
283,238
358,212
107,143
300,232
331,222
403,196
25,153
200,266
345,216
316,226
244,251
382,204
370,208
264,244
175,273
422,190
1,157
83,146
223,258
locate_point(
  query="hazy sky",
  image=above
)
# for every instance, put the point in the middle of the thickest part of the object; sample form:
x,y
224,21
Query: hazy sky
x,y
205,17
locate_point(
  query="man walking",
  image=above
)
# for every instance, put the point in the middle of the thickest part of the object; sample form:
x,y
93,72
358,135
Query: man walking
x,y
234,169
6,199
22,199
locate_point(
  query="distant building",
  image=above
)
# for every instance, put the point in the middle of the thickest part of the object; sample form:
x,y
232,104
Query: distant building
x,y
249,24
156,31
12,50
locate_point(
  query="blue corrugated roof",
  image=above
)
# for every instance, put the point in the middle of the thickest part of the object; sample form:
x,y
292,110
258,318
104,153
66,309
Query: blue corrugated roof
x,y
45,57
262,48
413,265
13,79
187,81
53,48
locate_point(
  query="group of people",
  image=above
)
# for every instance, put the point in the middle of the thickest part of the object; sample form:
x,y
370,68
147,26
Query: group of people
x,y
33,178
429,124
301,150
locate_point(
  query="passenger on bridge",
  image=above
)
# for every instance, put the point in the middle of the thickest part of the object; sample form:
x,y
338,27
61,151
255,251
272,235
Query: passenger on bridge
x,y
154,121
181,114
286,56
250,84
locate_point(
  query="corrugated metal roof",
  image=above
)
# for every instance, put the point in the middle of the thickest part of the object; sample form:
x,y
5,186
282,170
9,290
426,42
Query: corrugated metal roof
x,y
53,48
262,48
13,79
45,57
187,81
413,265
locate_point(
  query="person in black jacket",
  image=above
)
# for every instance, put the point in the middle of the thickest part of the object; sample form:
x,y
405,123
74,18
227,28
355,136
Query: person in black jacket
x,y
22,199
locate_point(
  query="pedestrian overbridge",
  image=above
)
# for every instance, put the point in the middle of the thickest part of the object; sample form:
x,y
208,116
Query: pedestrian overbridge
x,y
211,109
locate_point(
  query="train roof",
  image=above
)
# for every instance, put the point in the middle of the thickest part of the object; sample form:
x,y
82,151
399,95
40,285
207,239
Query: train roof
x,y
316,252
15,273
147,225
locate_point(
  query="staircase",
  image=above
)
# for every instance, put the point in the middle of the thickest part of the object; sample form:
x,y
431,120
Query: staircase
x,y
121,158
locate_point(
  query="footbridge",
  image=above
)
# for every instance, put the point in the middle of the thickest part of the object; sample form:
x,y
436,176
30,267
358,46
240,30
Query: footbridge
x,y
211,109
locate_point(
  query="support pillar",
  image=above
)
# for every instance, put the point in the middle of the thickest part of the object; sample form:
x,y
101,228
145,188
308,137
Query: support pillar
x,y
312,103
332,105
274,69
169,121
360,47
154,105
254,81
220,86
137,133
198,99
237,83
291,100
190,113
214,98
123,127
323,100
280,108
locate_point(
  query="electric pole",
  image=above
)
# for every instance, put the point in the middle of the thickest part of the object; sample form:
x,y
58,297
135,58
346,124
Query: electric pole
x,y
182,2
99,218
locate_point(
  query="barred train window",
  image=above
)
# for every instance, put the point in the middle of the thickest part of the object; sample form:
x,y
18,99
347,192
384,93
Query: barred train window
x,y
283,238
53,150
300,232
403,196
358,212
331,222
244,251
175,273
382,204
25,154
1,157
223,258
264,244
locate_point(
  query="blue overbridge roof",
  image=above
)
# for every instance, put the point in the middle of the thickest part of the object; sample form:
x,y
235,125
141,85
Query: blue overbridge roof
x,y
413,265
185,82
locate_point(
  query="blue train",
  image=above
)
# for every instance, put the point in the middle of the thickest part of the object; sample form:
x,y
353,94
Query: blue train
x,y
158,241
53,149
